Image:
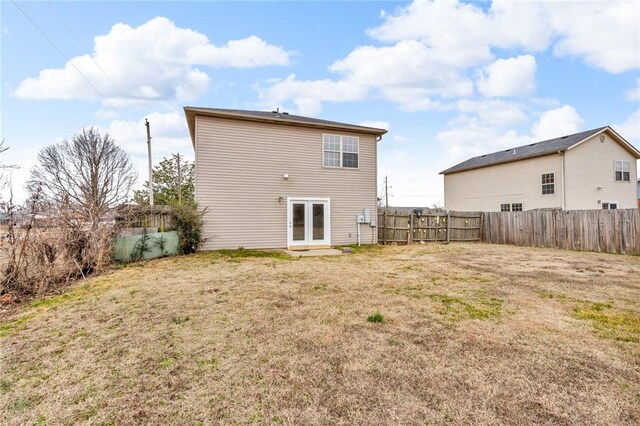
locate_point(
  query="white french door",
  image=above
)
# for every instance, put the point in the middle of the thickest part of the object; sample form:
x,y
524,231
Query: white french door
x,y
308,222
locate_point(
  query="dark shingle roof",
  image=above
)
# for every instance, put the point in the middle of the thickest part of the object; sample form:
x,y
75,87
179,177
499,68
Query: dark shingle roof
x,y
276,117
523,152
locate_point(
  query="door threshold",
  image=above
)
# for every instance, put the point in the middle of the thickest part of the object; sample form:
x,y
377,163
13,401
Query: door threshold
x,y
307,248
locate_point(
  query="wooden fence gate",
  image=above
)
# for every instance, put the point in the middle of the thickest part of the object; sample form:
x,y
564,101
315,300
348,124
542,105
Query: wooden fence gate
x,y
408,225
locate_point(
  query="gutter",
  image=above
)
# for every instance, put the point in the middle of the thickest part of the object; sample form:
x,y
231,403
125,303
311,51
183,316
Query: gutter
x,y
563,195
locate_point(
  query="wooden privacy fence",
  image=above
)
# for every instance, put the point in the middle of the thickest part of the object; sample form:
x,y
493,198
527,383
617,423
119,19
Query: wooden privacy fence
x,y
409,225
160,218
609,231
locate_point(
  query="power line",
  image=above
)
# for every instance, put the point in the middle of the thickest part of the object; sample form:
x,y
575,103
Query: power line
x,y
74,67
82,45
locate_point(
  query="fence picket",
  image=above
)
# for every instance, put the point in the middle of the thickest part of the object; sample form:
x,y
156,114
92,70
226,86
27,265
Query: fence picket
x,y
608,231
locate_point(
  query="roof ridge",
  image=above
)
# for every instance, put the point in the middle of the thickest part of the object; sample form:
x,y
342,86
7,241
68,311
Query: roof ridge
x,y
522,152
281,115
597,129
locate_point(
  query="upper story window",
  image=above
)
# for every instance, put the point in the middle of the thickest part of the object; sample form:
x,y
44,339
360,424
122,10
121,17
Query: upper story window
x,y
340,151
548,183
622,171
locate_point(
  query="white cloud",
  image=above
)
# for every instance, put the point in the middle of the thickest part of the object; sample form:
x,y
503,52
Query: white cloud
x,y
493,111
406,74
603,34
169,135
633,94
407,64
376,124
557,122
630,128
150,63
309,95
508,77
463,142
429,47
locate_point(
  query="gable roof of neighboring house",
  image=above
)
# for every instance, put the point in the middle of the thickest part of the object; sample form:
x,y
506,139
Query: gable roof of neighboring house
x,y
538,149
277,117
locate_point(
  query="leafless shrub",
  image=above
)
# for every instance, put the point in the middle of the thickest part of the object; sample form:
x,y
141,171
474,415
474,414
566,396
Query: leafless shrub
x,y
44,250
60,234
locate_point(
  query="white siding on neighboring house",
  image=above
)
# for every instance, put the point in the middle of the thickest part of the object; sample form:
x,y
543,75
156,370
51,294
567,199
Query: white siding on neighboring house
x,y
485,189
239,179
584,173
590,166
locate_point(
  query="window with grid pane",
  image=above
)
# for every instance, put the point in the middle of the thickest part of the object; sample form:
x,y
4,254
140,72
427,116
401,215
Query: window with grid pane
x,y
340,151
548,183
622,171
516,207
505,207
331,150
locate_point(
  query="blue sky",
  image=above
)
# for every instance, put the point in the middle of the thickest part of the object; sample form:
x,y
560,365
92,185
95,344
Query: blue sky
x,y
449,79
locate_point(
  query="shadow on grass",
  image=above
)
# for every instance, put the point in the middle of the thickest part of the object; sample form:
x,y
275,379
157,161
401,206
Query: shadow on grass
x,y
363,248
243,253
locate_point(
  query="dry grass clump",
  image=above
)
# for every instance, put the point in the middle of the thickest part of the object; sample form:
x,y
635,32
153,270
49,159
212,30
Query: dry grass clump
x,y
38,260
472,334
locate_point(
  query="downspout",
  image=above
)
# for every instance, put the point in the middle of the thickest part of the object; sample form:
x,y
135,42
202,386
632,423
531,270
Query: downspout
x,y
564,202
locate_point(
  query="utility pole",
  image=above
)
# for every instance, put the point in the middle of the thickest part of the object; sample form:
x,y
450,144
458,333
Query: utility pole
x,y
386,193
146,123
179,180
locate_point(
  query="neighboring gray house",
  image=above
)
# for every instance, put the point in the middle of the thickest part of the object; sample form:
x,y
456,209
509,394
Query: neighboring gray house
x,y
594,169
276,180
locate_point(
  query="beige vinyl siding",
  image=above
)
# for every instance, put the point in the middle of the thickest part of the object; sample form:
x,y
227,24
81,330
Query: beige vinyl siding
x,y
589,165
517,182
239,179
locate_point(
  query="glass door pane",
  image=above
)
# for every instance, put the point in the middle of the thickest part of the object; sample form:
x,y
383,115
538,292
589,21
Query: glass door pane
x,y
318,221
299,221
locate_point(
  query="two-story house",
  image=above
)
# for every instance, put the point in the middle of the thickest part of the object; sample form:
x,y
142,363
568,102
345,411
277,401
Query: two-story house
x,y
276,180
595,169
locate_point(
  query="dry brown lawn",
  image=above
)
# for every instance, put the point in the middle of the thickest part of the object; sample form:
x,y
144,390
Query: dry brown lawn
x,y
472,334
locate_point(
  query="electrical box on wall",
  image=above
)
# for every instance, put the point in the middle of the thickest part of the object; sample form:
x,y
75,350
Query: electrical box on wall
x,y
373,223
367,215
360,218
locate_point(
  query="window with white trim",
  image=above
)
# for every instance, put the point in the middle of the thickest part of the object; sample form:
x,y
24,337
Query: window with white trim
x,y
505,207
340,151
516,207
548,183
622,171
609,205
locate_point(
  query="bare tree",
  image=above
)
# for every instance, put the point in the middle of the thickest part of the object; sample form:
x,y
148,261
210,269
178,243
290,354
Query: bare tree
x,y
2,147
4,181
87,174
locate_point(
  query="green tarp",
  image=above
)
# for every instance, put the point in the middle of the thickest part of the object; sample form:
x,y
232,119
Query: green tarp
x,y
145,246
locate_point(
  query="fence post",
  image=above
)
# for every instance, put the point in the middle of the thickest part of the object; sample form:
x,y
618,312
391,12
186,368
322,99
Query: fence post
x,y
410,233
384,232
448,226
